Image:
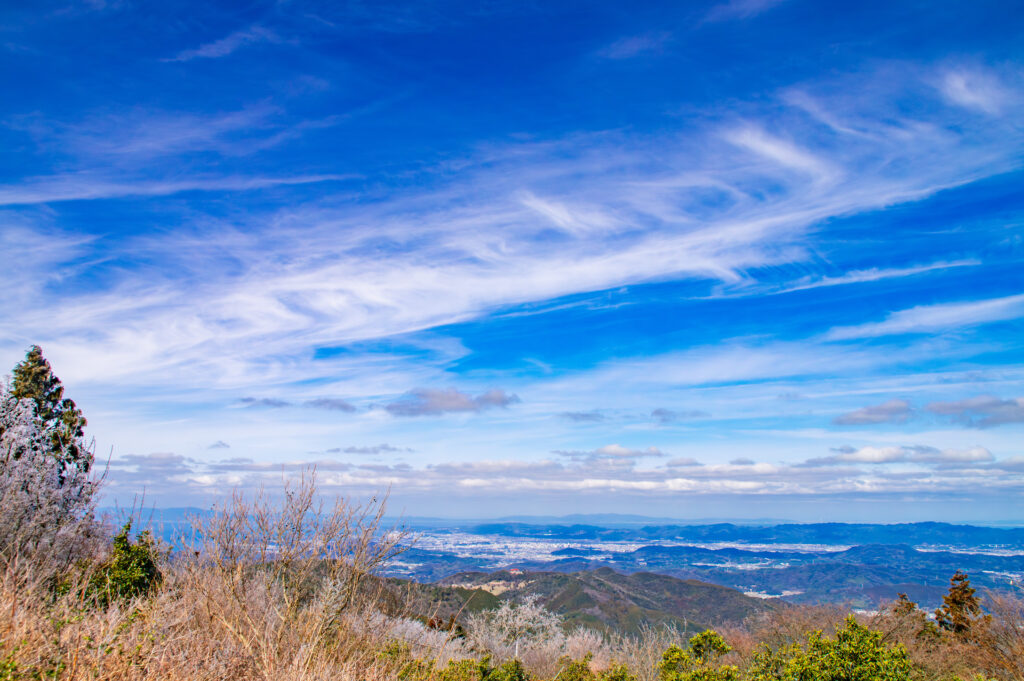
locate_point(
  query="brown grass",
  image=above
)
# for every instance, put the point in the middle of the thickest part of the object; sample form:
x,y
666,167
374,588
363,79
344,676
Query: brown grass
x,y
264,592
286,592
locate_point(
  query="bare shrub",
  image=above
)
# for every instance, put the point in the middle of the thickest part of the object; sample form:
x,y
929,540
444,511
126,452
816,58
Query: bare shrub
x,y
1002,640
783,626
278,581
422,641
511,626
641,652
535,636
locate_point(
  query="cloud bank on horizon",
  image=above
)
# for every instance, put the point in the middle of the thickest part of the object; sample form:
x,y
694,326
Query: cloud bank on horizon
x,y
763,254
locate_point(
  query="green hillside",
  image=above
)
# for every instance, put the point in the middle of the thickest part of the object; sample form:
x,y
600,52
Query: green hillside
x,y
607,599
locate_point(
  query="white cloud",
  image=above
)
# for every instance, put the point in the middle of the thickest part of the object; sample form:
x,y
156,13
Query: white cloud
x,y
984,411
579,221
613,454
903,454
169,474
782,152
666,416
633,46
382,448
432,402
740,9
584,416
940,317
90,186
853,277
229,44
893,411
242,306
974,89
620,451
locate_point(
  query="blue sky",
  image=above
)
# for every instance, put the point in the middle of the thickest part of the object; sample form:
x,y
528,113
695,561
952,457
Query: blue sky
x,y
752,258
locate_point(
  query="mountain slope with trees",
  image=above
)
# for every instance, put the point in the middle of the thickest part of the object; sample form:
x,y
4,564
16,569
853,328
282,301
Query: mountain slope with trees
x,y
607,599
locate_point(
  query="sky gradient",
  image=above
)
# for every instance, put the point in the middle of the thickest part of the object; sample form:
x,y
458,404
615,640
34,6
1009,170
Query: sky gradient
x,y
752,258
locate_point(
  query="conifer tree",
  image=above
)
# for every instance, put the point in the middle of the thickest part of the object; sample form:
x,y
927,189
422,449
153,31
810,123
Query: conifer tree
x,y
35,380
960,607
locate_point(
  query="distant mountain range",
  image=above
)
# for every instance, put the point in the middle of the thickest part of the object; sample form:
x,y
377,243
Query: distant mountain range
x,y
859,565
944,534
862,565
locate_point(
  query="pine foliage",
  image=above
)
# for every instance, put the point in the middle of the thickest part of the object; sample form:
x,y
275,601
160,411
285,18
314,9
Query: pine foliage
x,y
960,607
59,416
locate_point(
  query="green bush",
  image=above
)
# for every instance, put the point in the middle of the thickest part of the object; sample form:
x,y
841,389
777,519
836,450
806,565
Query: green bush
x,y
130,571
618,672
508,671
466,670
856,654
576,670
698,661
416,670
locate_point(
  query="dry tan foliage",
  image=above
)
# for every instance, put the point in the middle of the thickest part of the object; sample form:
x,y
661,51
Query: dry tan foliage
x,y
265,592
278,582
642,652
285,593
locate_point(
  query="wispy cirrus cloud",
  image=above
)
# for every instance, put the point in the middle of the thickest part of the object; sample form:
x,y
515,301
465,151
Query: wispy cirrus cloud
x,y
666,416
636,45
143,135
902,454
940,317
740,9
614,451
975,89
382,448
810,282
229,44
472,246
91,186
584,416
782,152
268,402
323,403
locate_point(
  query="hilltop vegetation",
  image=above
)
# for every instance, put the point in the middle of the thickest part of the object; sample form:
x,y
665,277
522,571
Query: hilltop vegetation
x,y
289,591
608,600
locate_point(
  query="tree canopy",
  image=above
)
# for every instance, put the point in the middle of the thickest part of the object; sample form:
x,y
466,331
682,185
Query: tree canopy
x,y
960,606
34,379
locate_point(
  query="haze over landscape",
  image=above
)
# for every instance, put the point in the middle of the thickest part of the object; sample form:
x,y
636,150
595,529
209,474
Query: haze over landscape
x,y
742,259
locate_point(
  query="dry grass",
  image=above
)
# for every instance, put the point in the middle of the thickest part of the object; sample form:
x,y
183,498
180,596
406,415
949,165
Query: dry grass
x,y
286,592
264,592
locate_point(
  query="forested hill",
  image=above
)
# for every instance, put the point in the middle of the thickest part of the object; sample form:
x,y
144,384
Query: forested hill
x,y
607,599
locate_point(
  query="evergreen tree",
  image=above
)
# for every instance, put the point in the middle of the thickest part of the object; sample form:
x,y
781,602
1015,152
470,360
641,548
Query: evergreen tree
x,y
34,380
960,607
